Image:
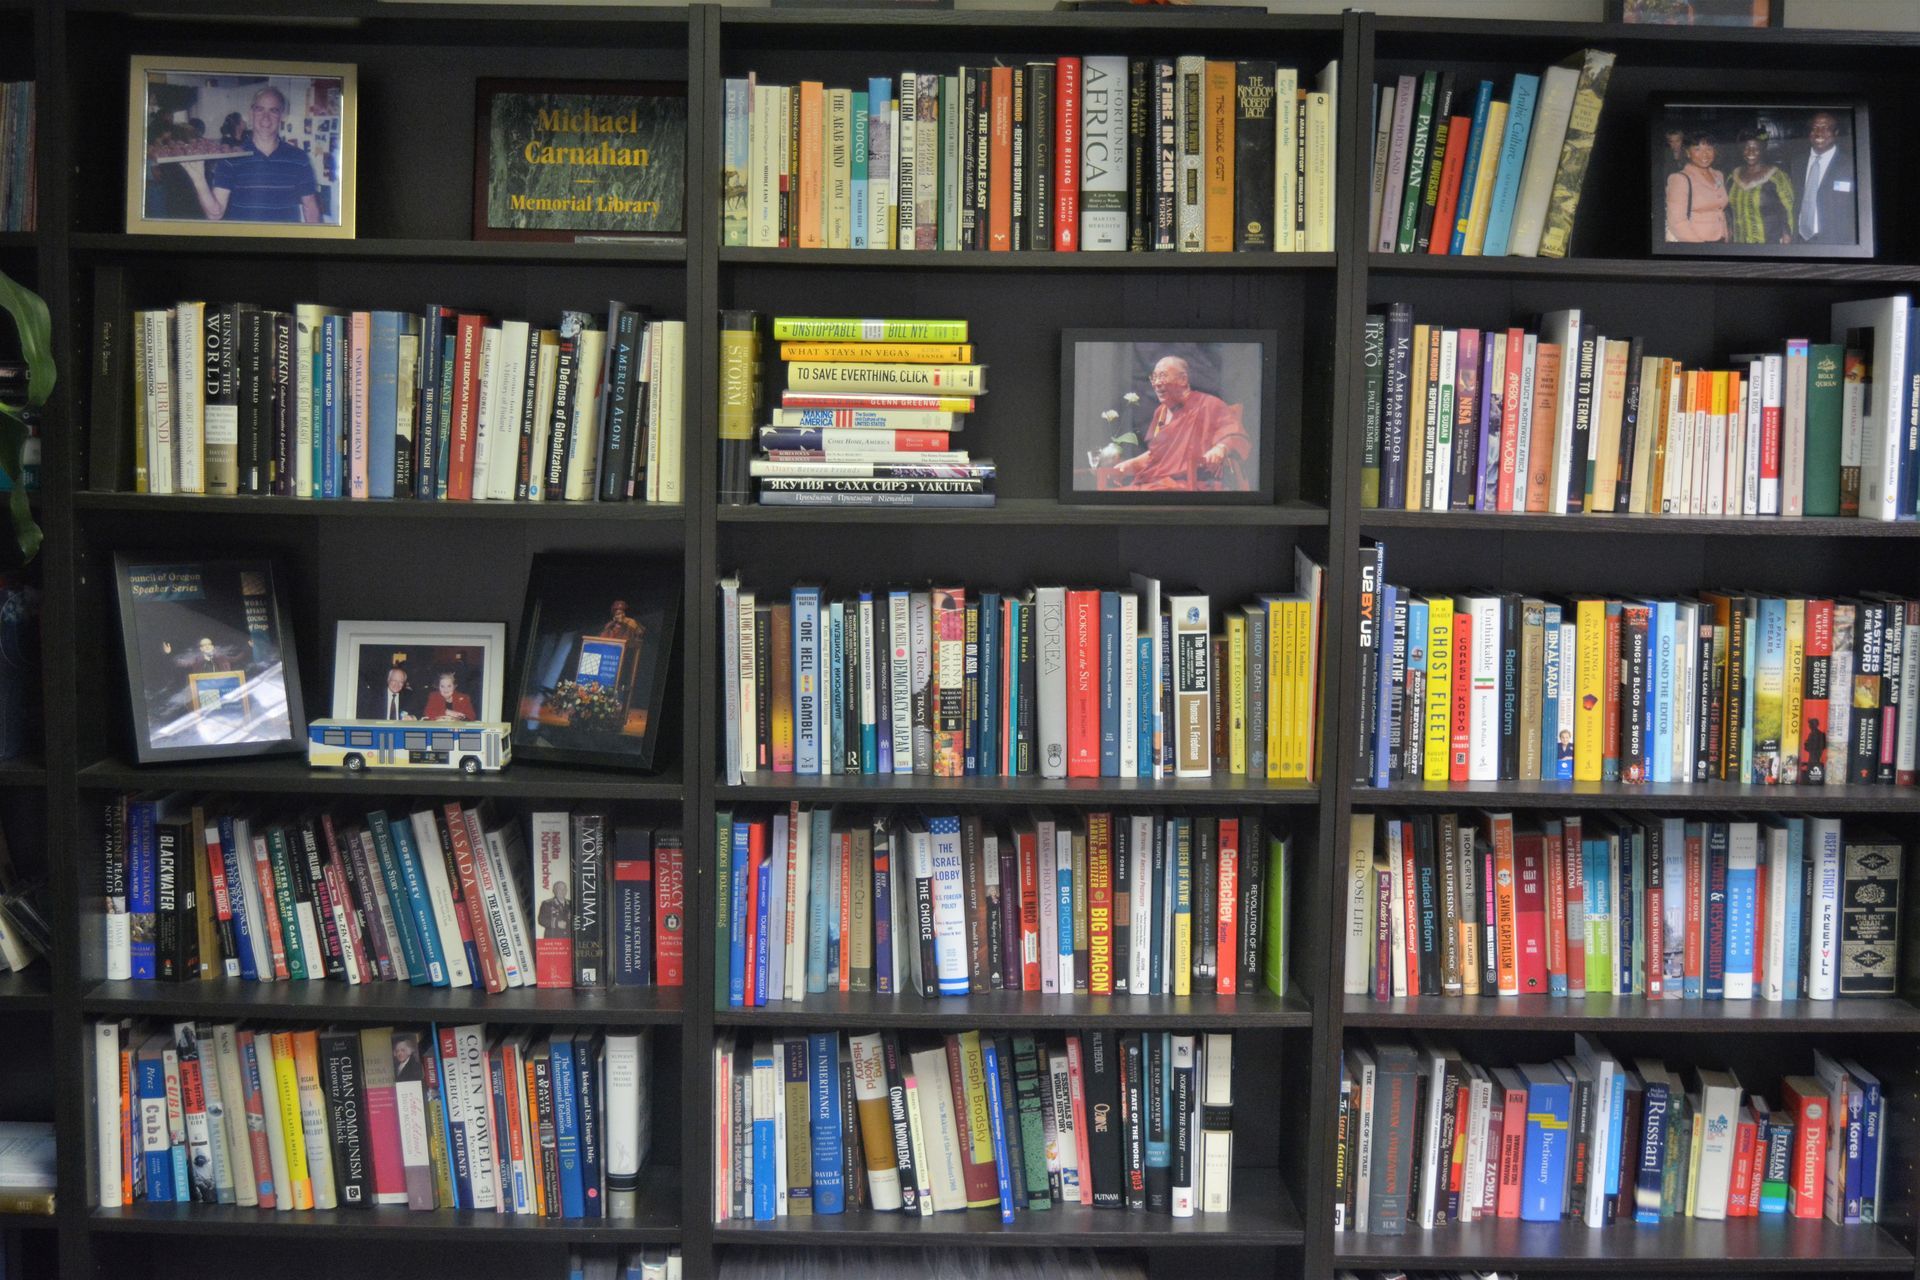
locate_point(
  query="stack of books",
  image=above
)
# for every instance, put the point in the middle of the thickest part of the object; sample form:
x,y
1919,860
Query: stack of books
x,y
868,414
18,187
1428,1138
200,889
1460,175
654,1262
1667,908
1566,419
450,403
1098,153
818,1124
454,1117
1145,903
1057,682
1730,686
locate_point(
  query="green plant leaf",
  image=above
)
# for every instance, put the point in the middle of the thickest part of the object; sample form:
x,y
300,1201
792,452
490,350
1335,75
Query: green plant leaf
x,y
29,312
13,438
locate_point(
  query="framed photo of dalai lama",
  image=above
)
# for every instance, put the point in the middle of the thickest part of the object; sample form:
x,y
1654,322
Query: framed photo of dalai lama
x,y
1180,416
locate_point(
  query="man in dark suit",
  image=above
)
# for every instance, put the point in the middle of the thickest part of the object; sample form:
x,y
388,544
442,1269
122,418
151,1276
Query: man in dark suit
x,y
1823,176
391,701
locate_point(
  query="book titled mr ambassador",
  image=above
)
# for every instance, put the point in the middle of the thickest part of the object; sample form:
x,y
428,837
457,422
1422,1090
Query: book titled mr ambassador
x,y
558,159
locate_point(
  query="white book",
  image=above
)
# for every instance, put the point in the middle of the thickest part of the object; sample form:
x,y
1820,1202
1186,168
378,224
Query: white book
x,y
665,473
1360,1066
1148,590
1602,1064
1434,1064
766,1092
782,1191
763,179
1103,153
468,1096
1719,427
1562,327
268,1077
1793,428
1189,112
1185,1058
545,391
1060,1079
1130,685
1193,685
1775,955
1551,112
870,1085
233,1117
868,692
1050,618
1216,1130
1288,237
509,408
1360,905
1063,859
1049,906
486,415
498,856
1823,961
1474,1172
1523,444
779,862
1322,124
155,337
1483,704
583,445
1882,434
743,716
1140,908
1773,432
251,901
939,1129
900,678
1397,912
1753,410
1743,854
1719,1098
949,911
1442,428
106,1110
833,617
433,873
190,397
799,887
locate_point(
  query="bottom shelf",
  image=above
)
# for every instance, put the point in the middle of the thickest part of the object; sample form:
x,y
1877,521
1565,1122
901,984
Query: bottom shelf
x,y
1262,1215
1741,1245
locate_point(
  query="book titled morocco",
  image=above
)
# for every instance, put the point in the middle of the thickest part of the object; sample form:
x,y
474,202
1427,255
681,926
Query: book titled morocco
x,y
875,492
819,375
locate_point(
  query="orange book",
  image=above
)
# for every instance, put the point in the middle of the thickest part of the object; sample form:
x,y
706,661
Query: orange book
x,y
1505,919
813,127
1451,165
1217,141
1000,161
537,1184
1546,405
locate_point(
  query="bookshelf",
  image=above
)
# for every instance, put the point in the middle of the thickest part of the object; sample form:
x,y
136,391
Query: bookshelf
x,y
404,559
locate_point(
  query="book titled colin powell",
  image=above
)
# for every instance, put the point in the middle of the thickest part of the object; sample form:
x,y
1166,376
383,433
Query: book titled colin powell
x,y
555,160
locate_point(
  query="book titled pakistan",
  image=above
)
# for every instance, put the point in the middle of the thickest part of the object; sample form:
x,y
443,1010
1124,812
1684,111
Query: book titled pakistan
x,y
555,160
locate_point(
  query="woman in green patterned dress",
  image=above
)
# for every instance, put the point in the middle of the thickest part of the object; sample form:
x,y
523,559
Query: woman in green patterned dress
x,y
1760,196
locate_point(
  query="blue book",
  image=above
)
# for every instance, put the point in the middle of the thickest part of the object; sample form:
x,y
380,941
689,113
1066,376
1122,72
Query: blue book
x,y
806,681
1513,155
1556,756
823,1109
1661,705
736,111
990,691
1109,684
1616,1128
448,348
457,1176
1063,910
1856,1136
1873,1120
1144,694
857,233
383,399
142,873
737,917
157,1154
1656,1099
869,725
332,409
833,690
1796,829
1543,1179
997,1125
762,929
242,924
317,408
1416,646
1742,905
389,863
566,1127
819,875
420,908
762,1177
1383,686
1478,153
1713,959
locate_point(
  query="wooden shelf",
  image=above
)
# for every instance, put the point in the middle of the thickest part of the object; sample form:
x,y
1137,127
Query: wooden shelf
x,y
382,1002
1732,796
1035,511
671,515
1262,1215
1597,1013
921,789
293,776
902,260
1753,271
1537,525
1021,1009
1739,1246
666,252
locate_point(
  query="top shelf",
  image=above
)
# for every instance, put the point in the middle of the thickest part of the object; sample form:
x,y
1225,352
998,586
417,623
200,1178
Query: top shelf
x,y
394,249
1023,260
1755,271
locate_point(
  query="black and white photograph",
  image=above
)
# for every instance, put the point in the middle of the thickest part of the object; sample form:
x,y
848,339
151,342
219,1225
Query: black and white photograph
x,y
210,667
226,147
1179,416
443,671
1789,179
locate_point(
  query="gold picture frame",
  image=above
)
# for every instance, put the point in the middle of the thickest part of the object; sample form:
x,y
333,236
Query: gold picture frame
x,y
185,111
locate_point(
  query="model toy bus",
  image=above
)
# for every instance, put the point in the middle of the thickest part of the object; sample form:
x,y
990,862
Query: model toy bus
x,y
469,746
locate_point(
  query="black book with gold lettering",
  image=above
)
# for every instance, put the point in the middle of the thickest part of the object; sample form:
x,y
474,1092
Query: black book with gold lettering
x,y
1254,144
1104,1149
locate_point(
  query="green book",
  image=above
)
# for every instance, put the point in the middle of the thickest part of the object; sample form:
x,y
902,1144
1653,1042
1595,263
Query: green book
x,y
282,860
1274,954
1373,359
1033,1139
1820,476
1417,162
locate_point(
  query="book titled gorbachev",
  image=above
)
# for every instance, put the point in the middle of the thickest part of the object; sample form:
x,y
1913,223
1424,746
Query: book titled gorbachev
x,y
581,158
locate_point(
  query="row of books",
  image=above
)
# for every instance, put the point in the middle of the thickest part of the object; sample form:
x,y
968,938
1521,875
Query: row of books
x,y
1667,908
18,184
1074,153
1428,1137
817,1124
652,1262
1453,175
1498,686
1055,681
455,1117
937,1264
1569,420
1148,903
203,889
451,403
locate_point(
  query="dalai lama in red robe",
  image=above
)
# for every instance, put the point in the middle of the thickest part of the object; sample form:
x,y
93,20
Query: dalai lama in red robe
x,y
1196,441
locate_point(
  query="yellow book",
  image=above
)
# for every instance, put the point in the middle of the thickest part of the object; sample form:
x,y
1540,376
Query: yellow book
x,y
286,1091
1720,399
1417,416
1318,141
1294,741
837,202
1483,179
1236,694
1589,690
1307,671
1183,920
1218,157
313,1118
881,352
810,184
1277,704
1794,690
973,1071
1693,1164
1437,752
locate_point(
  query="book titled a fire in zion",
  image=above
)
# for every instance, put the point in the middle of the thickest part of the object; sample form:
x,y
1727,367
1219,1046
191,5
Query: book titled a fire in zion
x,y
561,159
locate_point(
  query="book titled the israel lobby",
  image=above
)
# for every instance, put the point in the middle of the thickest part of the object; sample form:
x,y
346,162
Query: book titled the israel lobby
x,y
569,160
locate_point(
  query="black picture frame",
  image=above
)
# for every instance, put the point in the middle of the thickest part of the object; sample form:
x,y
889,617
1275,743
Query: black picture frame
x,y
565,593
200,717
1737,14
1725,117
1219,358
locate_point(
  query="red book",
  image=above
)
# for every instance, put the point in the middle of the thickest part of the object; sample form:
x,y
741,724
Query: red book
x,y
1457,1166
492,976
276,941
870,400
1816,689
1510,382
999,176
843,861
1769,447
1610,683
1077,1086
1027,851
1576,894
1656,905
979,1176
1513,1146
1807,1102
1007,723
756,857
1530,911
364,960
1759,926
1227,975
1083,684
1556,924
1455,157
1739,1201
1460,713
253,1113
1066,158
669,910
466,405
1410,906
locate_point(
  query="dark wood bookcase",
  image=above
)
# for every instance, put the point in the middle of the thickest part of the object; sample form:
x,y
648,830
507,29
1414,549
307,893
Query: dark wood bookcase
x,y
418,64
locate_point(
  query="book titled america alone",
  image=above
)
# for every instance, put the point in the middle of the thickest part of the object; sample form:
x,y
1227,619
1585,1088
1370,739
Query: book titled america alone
x,y
559,159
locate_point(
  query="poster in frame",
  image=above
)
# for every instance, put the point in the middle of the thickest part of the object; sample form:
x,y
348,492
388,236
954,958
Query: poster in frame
x,y
422,670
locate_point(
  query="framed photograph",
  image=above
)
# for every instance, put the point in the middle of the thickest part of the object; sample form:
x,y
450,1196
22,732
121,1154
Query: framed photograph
x,y
1183,416
210,665
595,644
1698,13
559,160
240,147
1761,177
419,670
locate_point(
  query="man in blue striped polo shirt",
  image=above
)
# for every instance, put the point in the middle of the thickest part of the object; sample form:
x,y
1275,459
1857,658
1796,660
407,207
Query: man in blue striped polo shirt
x,y
272,182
